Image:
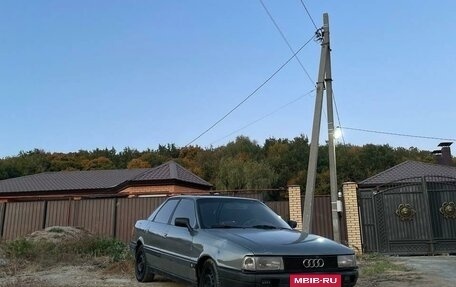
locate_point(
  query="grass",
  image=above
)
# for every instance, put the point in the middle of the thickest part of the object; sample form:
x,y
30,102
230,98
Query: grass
x,y
56,230
374,264
109,254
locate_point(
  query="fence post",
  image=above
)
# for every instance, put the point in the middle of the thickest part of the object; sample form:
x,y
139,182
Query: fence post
x,y
3,210
114,214
352,216
294,203
43,225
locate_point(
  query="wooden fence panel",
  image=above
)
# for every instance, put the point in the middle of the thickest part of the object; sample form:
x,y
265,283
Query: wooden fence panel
x,y
22,218
129,210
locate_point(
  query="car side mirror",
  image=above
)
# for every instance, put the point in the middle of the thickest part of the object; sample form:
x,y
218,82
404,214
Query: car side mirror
x,y
183,222
292,223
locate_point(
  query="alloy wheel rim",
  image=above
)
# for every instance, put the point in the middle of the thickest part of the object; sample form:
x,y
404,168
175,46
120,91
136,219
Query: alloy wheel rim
x,y
140,264
208,279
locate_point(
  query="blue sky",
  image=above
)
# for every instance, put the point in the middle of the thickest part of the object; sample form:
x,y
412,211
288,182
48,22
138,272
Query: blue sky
x,y
95,74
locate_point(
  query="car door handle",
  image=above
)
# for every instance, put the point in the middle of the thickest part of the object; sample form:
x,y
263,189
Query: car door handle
x,y
165,235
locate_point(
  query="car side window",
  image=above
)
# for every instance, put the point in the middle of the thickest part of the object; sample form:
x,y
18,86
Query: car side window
x,y
165,211
186,208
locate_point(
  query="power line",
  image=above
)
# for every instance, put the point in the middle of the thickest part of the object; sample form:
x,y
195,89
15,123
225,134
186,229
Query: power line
x,y
308,14
287,42
263,117
252,93
397,134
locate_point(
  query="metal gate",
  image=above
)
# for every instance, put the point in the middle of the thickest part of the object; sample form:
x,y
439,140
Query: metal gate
x,y
410,217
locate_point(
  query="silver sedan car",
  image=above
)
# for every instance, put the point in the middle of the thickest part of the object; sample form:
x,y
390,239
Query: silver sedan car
x,y
231,241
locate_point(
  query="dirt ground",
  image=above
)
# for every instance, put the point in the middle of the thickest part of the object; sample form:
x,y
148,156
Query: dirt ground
x,y
80,276
418,272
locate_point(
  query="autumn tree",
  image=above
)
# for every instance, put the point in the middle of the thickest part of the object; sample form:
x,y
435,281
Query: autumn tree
x,y
138,163
98,163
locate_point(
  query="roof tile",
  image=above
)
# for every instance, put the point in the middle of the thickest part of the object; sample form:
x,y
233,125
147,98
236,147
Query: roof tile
x,y
410,169
97,179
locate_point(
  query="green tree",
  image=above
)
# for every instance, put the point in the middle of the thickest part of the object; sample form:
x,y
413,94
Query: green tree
x,y
230,175
124,157
259,175
244,149
98,163
32,162
61,161
240,174
289,159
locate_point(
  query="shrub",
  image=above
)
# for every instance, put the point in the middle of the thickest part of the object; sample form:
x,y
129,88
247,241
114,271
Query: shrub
x,y
69,251
96,247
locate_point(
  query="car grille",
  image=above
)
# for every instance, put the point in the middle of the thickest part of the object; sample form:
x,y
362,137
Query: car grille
x,y
293,264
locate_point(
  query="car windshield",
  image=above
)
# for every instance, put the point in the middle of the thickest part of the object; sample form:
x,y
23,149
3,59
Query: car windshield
x,y
237,213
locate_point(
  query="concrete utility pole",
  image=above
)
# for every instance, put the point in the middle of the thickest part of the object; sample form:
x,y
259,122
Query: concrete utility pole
x,y
324,82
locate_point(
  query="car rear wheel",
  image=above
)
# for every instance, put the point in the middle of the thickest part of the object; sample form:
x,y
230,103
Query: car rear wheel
x,y
209,276
142,271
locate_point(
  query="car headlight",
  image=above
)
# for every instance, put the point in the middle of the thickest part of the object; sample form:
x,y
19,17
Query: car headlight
x,y
262,263
346,261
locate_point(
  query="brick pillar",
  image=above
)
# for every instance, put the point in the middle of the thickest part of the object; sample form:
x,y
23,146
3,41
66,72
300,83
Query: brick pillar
x,y
294,202
352,215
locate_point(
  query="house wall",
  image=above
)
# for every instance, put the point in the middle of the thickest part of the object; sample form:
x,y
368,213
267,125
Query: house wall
x,y
160,189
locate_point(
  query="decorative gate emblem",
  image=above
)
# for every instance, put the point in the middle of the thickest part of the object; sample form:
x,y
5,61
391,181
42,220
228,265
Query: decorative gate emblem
x,y
405,212
448,210
313,263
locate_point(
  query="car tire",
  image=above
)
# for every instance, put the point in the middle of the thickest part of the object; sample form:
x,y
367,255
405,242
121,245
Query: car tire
x,y
209,276
142,270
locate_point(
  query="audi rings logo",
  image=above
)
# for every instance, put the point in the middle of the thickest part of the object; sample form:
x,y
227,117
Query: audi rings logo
x,y
313,263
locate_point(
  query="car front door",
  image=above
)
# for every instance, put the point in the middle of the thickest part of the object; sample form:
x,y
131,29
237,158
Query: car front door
x,y
180,241
155,239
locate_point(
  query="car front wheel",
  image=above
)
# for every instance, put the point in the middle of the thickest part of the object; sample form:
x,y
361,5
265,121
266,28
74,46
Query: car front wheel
x,y
209,276
142,271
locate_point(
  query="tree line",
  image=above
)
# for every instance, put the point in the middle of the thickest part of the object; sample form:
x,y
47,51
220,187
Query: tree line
x,y
240,164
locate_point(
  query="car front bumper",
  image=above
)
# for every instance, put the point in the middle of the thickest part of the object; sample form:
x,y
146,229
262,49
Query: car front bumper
x,y
241,279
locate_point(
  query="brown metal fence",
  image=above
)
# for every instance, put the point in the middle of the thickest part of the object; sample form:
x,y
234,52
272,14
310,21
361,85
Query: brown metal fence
x,y
58,213
105,217
22,218
115,217
131,209
322,220
280,207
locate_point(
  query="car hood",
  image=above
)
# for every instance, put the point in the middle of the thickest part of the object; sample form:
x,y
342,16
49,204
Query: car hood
x,y
281,242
